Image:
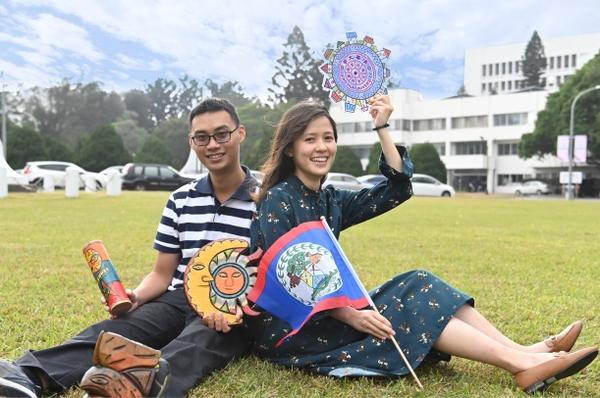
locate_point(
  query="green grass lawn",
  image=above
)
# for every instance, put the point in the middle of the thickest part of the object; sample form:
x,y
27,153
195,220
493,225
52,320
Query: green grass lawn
x,y
533,267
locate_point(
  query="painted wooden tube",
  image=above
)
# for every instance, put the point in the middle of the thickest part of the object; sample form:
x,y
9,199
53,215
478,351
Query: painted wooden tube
x,y
106,276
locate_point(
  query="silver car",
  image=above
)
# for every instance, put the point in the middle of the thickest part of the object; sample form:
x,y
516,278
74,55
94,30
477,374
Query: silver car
x,y
343,181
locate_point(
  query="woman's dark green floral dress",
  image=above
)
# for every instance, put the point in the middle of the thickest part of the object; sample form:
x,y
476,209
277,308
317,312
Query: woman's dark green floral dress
x,y
417,303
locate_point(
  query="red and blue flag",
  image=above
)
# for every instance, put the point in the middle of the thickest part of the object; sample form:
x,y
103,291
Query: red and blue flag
x,y
305,272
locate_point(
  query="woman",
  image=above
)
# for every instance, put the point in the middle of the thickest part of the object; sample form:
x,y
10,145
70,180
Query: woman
x,y
430,319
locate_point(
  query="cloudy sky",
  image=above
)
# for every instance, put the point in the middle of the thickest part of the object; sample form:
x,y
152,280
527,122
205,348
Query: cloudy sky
x,y
126,44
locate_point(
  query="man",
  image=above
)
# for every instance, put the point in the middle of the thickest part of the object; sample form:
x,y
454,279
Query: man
x,y
216,206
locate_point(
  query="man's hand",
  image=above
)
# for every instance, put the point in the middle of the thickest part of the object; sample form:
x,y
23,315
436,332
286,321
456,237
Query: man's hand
x,y
132,297
219,323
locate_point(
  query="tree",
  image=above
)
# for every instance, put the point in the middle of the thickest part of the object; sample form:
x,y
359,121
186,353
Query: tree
x,y
297,75
70,110
260,121
154,151
534,61
139,102
230,90
173,134
131,133
26,145
346,161
103,148
427,161
555,118
188,95
373,166
163,97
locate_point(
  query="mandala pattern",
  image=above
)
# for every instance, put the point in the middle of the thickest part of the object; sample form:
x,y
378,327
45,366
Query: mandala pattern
x,y
219,277
354,71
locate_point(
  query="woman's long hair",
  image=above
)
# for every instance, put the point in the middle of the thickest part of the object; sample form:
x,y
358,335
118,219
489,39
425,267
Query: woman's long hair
x,y
293,123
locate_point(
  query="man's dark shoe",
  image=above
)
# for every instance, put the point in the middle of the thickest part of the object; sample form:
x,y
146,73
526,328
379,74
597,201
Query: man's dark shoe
x,y
15,383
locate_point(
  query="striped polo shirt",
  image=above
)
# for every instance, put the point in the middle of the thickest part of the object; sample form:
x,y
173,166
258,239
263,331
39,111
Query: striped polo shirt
x,y
194,217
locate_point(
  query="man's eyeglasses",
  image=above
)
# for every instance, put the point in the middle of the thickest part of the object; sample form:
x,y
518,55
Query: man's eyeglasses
x,y
220,137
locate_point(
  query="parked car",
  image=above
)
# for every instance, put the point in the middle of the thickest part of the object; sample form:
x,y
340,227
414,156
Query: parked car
x,y
367,181
343,181
151,176
426,185
35,172
533,187
106,170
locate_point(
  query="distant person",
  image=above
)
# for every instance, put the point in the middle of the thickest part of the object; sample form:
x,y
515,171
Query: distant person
x,y
431,319
216,206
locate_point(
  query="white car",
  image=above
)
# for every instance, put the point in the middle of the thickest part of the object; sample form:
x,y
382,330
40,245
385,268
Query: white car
x,y
35,172
426,185
343,181
533,187
370,180
106,170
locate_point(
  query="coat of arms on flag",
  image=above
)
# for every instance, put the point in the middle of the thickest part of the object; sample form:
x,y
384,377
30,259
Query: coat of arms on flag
x,y
304,272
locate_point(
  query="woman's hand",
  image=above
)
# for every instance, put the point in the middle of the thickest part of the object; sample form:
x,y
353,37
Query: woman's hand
x,y
380,110
366,321
219,323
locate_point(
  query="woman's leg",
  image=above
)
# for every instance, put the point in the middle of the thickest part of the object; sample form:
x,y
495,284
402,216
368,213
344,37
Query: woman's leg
x,y
474,318
463,340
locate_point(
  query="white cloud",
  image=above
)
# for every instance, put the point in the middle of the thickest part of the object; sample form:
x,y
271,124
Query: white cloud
x,y
237,40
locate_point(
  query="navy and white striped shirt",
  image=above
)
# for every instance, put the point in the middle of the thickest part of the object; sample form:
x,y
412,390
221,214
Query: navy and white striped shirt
x,y
194,217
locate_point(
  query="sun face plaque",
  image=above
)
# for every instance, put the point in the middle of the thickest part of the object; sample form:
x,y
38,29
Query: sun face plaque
x,y
219,277
355,71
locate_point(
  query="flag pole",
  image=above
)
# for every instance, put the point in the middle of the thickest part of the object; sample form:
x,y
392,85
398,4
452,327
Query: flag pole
x,y
371,303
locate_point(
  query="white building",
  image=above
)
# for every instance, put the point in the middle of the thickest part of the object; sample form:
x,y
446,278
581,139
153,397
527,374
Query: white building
x,y
477,137
498,69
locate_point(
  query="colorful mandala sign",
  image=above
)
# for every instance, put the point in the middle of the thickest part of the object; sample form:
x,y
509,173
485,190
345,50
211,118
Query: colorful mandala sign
x,y
219,277
354,71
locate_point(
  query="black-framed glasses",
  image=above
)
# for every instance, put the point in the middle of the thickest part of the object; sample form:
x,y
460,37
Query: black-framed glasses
x,y
220,137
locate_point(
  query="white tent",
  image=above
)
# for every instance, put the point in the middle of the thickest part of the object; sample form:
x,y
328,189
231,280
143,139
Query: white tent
x,y
192,168
13,177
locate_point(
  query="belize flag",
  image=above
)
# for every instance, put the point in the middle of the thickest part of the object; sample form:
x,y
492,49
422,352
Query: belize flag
x,y
304,272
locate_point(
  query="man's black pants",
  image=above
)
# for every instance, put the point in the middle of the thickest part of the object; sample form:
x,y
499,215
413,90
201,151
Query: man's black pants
x,y
168,324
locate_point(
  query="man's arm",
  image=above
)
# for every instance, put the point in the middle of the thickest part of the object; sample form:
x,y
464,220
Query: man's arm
x,y
158,280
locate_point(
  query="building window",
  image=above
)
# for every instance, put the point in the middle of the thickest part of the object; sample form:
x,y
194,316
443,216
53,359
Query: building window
x,y
497,67
483,87
510,119
469,122
566,61
510,67
483,70
551,62
558,80
490,71
401,125
503,68
490,87
503,86
574,60
440,147
429,124
361,127
509,85
517,66
558,62
508,149
469,148
345,128
506,179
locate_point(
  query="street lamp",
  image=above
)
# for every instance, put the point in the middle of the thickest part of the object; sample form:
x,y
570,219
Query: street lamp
x,y
571,139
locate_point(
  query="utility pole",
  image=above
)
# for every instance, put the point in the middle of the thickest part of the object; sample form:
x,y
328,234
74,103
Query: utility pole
x,y
4,143
4,111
